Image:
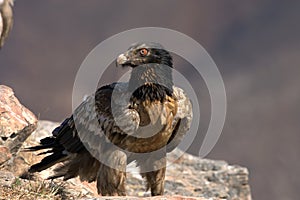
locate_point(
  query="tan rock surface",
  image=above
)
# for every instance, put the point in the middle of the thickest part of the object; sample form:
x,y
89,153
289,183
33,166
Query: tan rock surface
x,y
13,115
16,124
16,121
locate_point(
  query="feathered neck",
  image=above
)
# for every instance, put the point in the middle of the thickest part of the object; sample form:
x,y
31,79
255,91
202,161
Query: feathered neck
x,y
151,82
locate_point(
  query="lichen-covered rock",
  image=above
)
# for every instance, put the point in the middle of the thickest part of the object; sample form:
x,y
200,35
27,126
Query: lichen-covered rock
x,y
195,177
16,121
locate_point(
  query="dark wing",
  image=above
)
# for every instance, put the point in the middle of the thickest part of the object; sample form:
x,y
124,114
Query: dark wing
x,y
7,20
80,140
108,117
182,120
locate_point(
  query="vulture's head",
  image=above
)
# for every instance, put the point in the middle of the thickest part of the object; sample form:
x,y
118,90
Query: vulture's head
x,y
151,75
145,53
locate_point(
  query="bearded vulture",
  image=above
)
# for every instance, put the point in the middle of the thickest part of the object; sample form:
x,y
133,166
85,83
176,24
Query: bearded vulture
x,y
6,19
140,120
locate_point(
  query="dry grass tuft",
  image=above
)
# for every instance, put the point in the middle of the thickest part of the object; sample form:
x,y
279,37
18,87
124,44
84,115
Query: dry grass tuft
x,y
22,189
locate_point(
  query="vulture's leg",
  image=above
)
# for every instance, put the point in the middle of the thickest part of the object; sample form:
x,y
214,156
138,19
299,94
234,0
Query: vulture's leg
x,y
154,172
111,177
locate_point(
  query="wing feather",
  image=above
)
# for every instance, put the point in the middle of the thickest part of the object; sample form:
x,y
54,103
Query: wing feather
x,y
182,120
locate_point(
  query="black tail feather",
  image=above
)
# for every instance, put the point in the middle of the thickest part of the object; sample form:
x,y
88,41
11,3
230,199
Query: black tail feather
x,y
63,143
45,143
45,152
47,162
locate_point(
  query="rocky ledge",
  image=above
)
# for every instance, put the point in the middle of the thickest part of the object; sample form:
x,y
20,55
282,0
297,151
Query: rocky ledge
x,y
189,177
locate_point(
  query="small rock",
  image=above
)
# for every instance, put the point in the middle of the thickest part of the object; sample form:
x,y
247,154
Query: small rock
x,y
6,178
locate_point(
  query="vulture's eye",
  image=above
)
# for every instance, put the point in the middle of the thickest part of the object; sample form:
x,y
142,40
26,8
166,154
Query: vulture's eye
x,y
144,52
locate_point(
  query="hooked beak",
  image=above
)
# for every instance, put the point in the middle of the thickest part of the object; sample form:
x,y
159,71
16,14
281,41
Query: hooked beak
x,y
123,60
